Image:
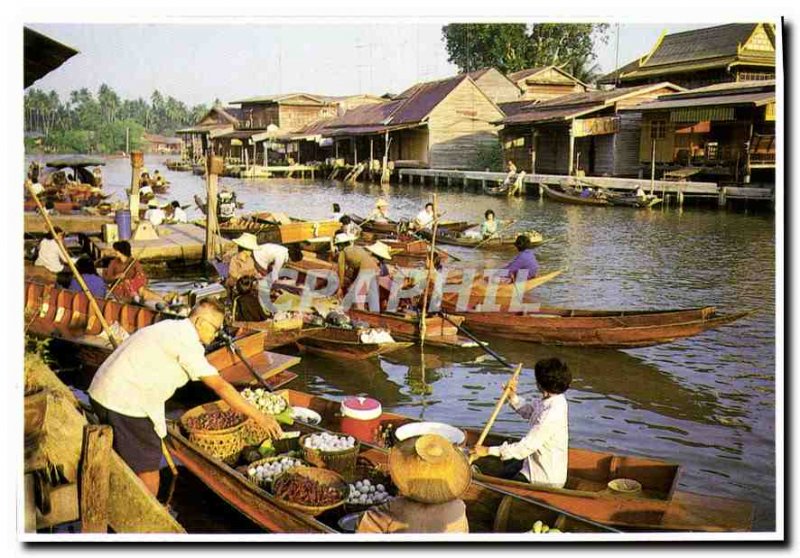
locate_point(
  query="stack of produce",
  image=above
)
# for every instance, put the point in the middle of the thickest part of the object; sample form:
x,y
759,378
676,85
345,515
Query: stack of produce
x,y
300,489
266,472
219,420
365,493
270,404
329,442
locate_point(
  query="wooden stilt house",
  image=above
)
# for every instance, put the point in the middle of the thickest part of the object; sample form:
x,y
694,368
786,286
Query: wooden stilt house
x,y
579,133
545,83
197,139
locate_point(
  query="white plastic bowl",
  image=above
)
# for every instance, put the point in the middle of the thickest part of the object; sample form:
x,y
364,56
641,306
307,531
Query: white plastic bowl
x,y
455,435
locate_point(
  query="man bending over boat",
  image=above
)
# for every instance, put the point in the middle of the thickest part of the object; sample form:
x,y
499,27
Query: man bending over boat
x,y
131,387
541,456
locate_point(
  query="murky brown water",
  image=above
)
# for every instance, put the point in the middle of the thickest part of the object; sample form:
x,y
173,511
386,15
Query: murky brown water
x,y
706,402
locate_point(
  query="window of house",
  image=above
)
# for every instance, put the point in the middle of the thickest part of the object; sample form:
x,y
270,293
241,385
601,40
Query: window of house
x,y
658,129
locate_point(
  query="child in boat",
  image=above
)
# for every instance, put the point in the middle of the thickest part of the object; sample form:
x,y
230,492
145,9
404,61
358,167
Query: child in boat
x,y
541,456
430,475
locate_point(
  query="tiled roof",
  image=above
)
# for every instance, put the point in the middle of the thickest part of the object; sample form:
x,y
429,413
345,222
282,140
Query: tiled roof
x,y
710,42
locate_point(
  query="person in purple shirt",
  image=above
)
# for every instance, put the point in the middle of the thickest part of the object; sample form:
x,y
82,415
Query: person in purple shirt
x,y
89,274
525,259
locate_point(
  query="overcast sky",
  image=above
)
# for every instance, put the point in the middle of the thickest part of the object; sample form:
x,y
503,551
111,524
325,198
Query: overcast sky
x,y
198,63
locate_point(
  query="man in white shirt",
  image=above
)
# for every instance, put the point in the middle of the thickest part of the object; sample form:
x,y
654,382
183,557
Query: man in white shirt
x,y
131,387
50,256
155,214
540,457
424,218
269,259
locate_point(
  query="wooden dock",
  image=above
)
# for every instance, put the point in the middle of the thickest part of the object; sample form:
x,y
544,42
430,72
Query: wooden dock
x,y
290,171
531,182
72,224
181,243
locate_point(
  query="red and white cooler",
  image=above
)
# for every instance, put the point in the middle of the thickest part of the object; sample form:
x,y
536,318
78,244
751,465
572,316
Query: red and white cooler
x,y
361,417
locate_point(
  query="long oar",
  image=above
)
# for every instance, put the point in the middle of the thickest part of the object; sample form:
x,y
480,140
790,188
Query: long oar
x,y
120,278
238,352
496,411
494,235
65,256
480,343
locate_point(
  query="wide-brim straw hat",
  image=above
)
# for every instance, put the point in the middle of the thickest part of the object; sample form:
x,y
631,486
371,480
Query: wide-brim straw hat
x,y
381,203
248,241
381,250
429,469
341,238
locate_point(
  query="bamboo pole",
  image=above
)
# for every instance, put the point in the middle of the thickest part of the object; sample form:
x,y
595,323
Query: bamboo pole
x,y
423,326
92,302
213,166
120,278
137,161
496,411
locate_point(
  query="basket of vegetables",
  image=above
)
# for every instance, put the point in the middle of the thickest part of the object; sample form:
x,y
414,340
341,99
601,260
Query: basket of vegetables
x,y
372,487
273,404
264,471
331,450
310,490
217,430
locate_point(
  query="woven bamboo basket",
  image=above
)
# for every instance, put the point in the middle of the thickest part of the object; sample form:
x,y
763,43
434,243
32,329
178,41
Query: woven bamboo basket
x,y
243,469
325,477
343,461
225,444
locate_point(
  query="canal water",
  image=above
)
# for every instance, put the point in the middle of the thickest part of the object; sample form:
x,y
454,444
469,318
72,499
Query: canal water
x,y
707,402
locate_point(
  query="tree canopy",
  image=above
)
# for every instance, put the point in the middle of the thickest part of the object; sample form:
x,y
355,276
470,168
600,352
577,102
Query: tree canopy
x,y
511,47
86,123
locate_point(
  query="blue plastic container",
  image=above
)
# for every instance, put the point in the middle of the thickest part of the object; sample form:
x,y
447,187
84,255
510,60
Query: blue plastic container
x,y
123,218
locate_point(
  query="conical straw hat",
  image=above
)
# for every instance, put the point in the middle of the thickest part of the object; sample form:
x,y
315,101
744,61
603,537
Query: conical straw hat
x,y
429,469
248,241
381,250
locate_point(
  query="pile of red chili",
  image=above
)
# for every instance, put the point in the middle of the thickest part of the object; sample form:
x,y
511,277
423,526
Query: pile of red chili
x,y
301,490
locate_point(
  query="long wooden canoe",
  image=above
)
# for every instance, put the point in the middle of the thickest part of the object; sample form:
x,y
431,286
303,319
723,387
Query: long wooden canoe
x,y
564,197
438,331
340,343
489,510
498,242
660,506
51,312
504,293
606,329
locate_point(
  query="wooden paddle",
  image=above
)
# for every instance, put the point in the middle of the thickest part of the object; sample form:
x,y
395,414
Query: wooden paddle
x,y
494,234
496,411
120,278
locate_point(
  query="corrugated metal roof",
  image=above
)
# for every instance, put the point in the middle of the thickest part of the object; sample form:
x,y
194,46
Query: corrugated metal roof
x,y
755,99
552,114
513,107
522,74
367,130
366,115
424,99
238,134
710,42
281,98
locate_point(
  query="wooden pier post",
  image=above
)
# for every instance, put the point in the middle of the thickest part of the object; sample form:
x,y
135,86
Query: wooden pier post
x,y
680,197
723,194
385,165
534,137
213,169
137,162
95,478
653,168
571,147
371,169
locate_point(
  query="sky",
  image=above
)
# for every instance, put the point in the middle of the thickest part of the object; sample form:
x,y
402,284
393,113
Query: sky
x,y
197,63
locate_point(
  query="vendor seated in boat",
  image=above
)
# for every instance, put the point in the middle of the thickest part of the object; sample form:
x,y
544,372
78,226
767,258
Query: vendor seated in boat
x,y
431,475
130,389
423,221
158,179
127,277
348,227
246,304
540,457
586,192
489,225
175,213
89,274
242,263
50,257
381,212
155,213
524,261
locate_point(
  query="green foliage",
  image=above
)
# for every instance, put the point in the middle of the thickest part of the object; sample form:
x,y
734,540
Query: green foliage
x,y
511,47
490,157
39,347
86,123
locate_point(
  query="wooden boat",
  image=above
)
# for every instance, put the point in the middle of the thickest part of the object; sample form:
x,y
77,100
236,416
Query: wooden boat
x,y
203,206
341,343
660,506
598,328
505,294
395,227
438,331
564,197
489,510
179,166
66,316
276,336
498,242
281,233
633,201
